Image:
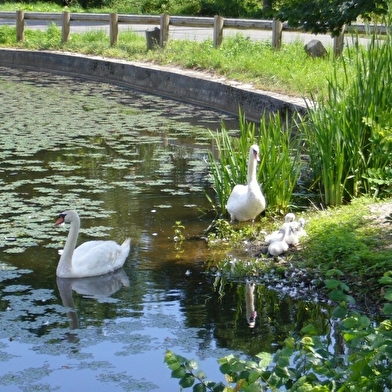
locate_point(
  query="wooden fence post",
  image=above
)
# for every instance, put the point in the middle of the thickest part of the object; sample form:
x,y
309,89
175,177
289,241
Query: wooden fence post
x,y
218,30
65,26
20,25
338,43
164,34
277,27
113,29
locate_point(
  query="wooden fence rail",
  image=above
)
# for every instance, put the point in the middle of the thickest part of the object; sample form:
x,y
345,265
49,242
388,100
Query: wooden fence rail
x,y
217,23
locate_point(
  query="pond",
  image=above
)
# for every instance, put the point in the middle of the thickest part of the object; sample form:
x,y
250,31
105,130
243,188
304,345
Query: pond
x,y
132,164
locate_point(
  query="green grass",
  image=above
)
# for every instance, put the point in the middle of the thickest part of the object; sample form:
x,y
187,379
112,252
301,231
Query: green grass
x,y
353,239
346,238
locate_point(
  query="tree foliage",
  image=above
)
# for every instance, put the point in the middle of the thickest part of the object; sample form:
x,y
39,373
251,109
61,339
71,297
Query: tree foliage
x,y
328,16
317,16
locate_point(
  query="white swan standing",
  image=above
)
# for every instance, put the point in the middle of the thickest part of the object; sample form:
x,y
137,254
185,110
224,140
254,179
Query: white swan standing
x,y
247,201
92,258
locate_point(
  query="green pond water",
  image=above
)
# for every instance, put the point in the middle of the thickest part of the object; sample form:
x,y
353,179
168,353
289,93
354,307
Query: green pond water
x,y
132,164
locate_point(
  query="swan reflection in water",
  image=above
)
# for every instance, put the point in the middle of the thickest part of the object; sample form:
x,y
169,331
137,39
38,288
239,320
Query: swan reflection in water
x,y
96,287
251,313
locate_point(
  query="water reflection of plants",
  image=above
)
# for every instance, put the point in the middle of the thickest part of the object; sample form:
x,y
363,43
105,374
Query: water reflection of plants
x,y
309,361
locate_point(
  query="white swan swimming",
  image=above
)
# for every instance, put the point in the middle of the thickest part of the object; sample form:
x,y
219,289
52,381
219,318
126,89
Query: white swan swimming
x,y
92,258
247,201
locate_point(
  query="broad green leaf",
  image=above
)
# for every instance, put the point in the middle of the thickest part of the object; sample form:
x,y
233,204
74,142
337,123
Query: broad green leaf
x,y
350,299
255,387
309,330
387,309
187,381
336,295
225,368
332,284
388,296
289,342
171,360
386,280
179,373
225,359
350,322
199,388
348,336
265,359
364,321
333,272
339,312
253,376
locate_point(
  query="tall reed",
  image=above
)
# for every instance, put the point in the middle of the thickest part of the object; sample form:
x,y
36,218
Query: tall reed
x,y
349,132
277,171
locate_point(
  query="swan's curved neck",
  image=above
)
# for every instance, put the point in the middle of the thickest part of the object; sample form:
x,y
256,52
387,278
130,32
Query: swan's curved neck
x,y
252,165
65,263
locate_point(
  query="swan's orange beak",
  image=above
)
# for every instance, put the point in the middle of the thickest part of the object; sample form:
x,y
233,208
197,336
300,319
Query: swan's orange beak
x,y
60,220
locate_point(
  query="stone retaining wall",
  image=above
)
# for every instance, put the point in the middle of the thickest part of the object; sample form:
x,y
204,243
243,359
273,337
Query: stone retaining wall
x,y
184,85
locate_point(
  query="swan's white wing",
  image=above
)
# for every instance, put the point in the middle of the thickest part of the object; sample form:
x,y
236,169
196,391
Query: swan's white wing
x,y
237,201
238,191
86,247
274,236
98,258
245,202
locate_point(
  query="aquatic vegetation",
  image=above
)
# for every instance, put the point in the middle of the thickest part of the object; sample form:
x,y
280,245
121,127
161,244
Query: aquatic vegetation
x,y
109,139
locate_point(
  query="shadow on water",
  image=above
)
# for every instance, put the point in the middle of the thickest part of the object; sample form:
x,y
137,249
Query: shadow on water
x,y
132,164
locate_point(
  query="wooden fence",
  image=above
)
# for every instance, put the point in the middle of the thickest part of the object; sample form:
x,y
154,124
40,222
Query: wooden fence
x,y
217,23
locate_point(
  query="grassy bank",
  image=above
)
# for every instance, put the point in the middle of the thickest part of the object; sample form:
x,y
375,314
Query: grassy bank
x,y
350,241
289,71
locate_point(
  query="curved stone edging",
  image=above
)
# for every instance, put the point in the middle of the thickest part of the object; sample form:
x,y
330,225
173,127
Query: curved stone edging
x,y
184,85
